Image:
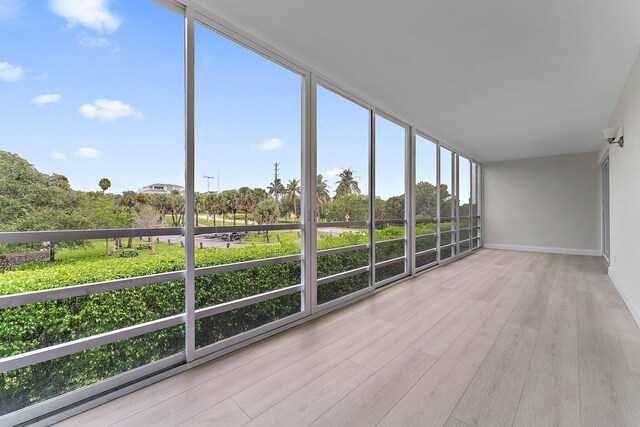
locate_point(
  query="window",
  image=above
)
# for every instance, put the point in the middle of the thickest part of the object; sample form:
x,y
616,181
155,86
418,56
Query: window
x,y
464,203
426,206
248,177
390,141
107,273
93,120
342,196
447,207
475,203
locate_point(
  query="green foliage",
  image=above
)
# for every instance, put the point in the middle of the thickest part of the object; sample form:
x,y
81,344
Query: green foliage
x,y
104,184
350,207
347,184
267,212
4,264
30,200
35,326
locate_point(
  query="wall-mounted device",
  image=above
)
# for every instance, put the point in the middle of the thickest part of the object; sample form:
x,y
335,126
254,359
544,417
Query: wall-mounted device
x,y
614,135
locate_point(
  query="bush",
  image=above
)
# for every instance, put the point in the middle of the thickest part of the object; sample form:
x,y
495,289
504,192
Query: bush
x,y
35,326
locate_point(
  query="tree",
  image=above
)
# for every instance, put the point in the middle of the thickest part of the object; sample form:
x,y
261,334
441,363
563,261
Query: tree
x,y
257,196
34,201
267,212
352,207
128,202
104,183
393,208
232,202
170,204
244,201
146,217
426,205
211,205
322,196
176,208
276,188
293,191
347,184
198,206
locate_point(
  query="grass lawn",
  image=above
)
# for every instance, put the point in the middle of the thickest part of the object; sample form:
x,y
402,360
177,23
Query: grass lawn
x,y
274,236
96,249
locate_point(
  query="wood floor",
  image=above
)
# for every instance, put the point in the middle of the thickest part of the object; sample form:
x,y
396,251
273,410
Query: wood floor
x,y
498,338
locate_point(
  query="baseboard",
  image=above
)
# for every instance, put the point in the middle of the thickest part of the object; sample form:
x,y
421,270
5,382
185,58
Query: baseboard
x,y
545,249
635,312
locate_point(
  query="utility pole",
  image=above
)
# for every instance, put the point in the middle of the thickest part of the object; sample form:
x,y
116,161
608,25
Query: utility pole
x,y
275,181
218,181
208,178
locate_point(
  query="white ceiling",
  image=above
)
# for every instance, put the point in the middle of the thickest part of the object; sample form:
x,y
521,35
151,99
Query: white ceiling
x,y
499,79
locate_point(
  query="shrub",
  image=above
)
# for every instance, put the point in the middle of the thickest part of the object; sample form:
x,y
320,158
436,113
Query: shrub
x,y
34,326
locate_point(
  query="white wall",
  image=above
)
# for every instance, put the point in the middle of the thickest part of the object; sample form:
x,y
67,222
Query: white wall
x,y
624,165
549,204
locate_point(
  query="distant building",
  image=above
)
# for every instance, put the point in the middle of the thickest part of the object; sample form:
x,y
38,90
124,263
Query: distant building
x,y
161,189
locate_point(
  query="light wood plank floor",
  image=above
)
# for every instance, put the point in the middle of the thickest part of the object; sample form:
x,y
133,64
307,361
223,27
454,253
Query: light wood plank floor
x,y
498,338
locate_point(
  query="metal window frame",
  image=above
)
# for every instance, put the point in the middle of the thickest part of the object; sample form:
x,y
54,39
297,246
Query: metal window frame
x,y
33,297
247,301
369,224
33,357
407,220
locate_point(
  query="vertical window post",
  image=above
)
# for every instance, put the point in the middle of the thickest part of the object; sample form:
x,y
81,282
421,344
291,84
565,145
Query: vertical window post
x,y
189,220
372,197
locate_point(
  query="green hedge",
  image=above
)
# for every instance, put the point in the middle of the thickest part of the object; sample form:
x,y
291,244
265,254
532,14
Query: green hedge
x,y
40,325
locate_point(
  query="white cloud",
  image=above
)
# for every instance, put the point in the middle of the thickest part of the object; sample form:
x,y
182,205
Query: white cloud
x,y
334,172
87,153
9,72
10,8
91,42
270,144
108,109
56,155
47,98
92,14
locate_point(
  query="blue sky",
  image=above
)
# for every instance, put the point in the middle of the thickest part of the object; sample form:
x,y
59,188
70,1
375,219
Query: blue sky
x,y
95,89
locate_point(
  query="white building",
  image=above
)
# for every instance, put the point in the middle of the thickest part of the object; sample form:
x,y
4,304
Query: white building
x,y
161,189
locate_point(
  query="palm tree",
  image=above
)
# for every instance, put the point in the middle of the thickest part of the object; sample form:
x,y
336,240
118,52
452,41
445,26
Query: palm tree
x,y
267,212
322,195
293,191
276,188
222,206
198,206
104,183
128,202
244,200
257,195
347,184
232,202
211,205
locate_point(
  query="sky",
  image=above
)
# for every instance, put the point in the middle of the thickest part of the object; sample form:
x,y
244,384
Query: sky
x,y
93,89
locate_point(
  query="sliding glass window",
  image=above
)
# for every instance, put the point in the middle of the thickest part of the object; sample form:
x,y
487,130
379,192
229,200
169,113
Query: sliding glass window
x,y
426,202
343,205
464,204
92,125
390,218
248,183
475,204
448,209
